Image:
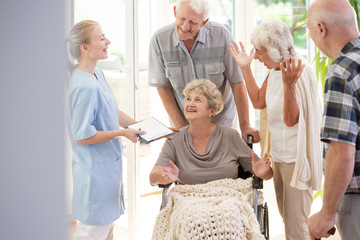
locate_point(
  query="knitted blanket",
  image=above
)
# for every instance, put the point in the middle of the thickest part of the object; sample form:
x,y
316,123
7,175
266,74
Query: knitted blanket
x,y
220,209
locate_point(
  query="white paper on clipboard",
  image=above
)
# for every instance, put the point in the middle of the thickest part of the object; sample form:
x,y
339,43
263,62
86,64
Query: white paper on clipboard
x,y
154,129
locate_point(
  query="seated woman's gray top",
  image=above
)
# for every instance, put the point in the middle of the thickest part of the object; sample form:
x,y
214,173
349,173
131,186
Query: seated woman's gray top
x,y
224,152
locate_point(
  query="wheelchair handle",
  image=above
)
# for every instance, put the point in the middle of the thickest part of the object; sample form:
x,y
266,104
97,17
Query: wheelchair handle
x,y
250,139
257,183
331,231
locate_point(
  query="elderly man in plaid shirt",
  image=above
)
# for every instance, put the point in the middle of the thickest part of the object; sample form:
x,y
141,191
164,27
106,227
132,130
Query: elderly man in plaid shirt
x,y
332,26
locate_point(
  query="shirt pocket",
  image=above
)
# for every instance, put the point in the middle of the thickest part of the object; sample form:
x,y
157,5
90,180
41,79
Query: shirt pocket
x,y
106,180
215,73
173,73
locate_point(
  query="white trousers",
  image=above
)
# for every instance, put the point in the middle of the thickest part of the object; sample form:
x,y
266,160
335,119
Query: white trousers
x,y
97,232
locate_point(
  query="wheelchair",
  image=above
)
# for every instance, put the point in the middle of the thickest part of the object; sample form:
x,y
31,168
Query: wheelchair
x,y
261,210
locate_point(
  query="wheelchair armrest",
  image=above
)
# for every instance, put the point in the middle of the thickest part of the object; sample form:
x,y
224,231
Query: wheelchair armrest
x,y
257,182
165,187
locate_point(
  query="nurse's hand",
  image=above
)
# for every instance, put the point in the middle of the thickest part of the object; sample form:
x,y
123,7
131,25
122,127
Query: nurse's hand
x,y
132,134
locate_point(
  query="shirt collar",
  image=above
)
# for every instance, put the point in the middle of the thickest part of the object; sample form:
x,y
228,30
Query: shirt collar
x,y
349,46
201,36
175,38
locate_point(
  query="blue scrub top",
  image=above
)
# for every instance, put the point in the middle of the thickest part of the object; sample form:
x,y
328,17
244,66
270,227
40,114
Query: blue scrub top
x,y
97,168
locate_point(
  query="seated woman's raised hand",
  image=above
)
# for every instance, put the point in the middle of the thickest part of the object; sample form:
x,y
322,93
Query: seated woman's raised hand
x,y
262,168
171,173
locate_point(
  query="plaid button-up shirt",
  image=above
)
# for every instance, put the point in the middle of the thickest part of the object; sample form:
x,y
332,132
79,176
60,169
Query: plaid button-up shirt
x,y
341,120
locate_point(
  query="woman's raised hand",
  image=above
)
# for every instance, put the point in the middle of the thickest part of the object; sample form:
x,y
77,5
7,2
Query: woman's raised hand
x,y
171,173
291,72
240,56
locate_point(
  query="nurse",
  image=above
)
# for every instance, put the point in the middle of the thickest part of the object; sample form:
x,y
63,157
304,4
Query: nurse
x,y
93,124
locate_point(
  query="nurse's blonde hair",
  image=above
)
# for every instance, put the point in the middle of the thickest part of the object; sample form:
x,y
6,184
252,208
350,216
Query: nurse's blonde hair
x,y
79,34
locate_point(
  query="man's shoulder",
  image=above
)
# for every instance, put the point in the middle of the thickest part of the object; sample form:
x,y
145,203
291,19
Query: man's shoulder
x,y
216,26
217,31
346,65
165,31
165,37
349,54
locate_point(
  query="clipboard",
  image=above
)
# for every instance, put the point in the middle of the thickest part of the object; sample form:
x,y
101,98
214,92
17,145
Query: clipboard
x,y
154,129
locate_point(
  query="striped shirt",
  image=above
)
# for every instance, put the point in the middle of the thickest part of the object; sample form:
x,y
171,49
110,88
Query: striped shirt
x,y
341,120
170,63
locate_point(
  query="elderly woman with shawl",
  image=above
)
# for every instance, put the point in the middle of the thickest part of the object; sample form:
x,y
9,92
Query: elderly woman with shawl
x,y
204,158
290,96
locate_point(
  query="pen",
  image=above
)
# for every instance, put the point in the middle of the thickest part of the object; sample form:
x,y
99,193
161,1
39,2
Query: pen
x,y
138,135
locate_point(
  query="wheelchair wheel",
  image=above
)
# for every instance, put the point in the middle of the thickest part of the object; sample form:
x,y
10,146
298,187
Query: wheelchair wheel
x,y
263,219
266,222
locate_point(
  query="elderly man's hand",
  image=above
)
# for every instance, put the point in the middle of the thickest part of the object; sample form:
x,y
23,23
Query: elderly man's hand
x,y
240,56
247,130
291,72
170,137
319,225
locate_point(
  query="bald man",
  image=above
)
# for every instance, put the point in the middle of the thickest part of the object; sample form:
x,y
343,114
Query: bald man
x,y
332,26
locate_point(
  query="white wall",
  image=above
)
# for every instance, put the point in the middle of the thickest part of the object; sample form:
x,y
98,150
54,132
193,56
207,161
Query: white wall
x,y
32,63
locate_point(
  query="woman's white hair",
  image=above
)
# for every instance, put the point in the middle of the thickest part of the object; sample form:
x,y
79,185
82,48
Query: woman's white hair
x,y
200,6
275,36
209,89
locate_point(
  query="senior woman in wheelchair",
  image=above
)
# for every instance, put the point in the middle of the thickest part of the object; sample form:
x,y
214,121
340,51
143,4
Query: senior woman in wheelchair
x,y
200,207
204,151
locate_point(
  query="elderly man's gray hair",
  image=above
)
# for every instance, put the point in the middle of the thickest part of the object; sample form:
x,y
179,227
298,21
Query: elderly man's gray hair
x,y
200,6
275,36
